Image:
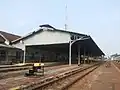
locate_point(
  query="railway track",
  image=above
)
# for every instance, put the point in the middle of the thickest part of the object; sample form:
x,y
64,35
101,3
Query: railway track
x,y
9,72
61,81
116,64
20,80
10,68
5,73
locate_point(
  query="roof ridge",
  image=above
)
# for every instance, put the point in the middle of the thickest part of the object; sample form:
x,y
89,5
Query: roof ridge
x,y
72,32
47,25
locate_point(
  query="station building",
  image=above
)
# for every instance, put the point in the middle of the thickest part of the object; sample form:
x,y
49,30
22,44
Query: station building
x,y
48,44
8,53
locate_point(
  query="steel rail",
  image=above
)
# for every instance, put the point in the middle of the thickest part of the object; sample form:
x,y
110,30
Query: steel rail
x,y
49,81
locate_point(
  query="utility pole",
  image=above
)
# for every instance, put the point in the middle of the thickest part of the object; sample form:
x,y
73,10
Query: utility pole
x,y
66,18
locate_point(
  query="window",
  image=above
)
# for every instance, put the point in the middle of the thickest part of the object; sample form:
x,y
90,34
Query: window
x,y
18,55
2,54
78,37
72,37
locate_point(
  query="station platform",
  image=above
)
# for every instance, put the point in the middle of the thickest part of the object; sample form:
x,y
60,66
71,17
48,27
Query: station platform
x,y
109,79
103,78
29,64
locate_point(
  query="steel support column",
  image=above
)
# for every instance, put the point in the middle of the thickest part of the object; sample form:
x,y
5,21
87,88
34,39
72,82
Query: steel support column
x,y
24,55
70,53
70,44
78,54
6,56
84,55
88,58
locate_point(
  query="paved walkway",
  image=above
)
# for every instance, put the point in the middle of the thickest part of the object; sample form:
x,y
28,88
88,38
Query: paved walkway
x,y
108,80
101,79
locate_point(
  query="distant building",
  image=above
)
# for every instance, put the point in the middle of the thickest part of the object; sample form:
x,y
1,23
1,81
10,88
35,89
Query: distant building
x,y
8,53
115,57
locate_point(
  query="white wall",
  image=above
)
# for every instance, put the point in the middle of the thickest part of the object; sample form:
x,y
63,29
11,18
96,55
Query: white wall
x,y
19,45
48,37
45,37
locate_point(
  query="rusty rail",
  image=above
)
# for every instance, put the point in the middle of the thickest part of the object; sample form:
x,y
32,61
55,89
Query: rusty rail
x,y
40,85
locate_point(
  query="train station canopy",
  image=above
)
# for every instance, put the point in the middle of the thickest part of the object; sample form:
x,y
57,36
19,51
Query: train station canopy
x,y
86,43
87,46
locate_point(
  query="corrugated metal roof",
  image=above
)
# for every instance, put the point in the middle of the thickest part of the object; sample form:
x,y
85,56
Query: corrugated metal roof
x,y
34,32
9,36
2,40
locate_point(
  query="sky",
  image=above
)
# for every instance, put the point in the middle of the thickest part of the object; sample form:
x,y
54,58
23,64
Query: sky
x,y
98,18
